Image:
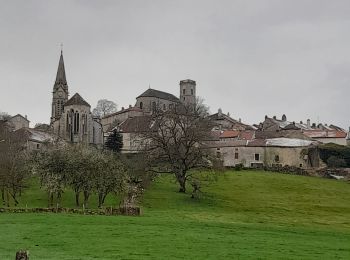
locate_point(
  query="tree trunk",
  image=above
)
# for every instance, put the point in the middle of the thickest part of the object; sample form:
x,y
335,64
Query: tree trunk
x,y
77,200
14,195
8,198
3,195
59,196
50,200
182,182
86,198
100,199
103,198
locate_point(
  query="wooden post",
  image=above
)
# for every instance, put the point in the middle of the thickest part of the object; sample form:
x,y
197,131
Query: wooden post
x,y
22,255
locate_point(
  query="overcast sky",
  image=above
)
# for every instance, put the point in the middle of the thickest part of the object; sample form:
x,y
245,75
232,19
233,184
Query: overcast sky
x,y
250,58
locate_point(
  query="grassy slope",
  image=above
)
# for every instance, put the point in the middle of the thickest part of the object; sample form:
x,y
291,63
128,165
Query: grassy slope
x,y
244,215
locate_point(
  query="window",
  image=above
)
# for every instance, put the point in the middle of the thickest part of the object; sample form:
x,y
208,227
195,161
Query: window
x,y
218,155
154,106
171,106
236,155
184,98
277,158
67,122
183,91
191,91
76,122
164,107
141,105
257,157
37,146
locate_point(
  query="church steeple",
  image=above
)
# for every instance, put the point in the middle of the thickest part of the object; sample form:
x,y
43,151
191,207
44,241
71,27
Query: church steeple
x,y
61,73
60,91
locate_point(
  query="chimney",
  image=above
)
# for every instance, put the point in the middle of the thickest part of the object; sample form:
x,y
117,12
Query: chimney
x,y
274,117
313,125
25,116
301,122
308,123
266,116
240,120
284,118
122,108
129,106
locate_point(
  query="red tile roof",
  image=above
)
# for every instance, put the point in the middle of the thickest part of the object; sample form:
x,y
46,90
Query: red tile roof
x,y
325,134
229,134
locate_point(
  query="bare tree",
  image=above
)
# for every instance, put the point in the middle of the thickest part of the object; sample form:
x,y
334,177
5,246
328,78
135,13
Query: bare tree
x,y
4,116
13,170
175,142
104,107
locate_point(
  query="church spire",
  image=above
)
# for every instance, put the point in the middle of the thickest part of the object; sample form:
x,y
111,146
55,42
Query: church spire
x,y
61,73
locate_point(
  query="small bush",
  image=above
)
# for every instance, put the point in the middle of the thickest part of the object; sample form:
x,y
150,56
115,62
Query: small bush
x,y
336,162
238,167
334,150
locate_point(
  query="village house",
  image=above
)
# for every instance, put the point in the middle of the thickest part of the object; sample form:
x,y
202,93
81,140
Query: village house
x,y
284,128
266,152
16,122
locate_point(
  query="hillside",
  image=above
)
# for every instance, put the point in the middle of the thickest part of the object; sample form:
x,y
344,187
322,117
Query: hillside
x,y
245,215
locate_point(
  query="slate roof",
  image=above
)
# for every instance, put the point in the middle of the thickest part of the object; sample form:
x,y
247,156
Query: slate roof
x,y
77,100
136,109
136,124
235,123
61,73
159,94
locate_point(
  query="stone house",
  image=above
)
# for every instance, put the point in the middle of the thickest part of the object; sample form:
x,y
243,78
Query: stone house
x,y
222,121
321,132
267,152
36,139
132,130
17,122
112,120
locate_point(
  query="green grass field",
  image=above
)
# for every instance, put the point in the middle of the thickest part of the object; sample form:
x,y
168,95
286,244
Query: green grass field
x,y
245,215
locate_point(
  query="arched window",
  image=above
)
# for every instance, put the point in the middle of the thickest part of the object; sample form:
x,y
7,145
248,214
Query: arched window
x,y
141,105
76,122
67,123
191,91
183,91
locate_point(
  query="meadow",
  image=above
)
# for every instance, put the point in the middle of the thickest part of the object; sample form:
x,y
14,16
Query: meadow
x,y
244,215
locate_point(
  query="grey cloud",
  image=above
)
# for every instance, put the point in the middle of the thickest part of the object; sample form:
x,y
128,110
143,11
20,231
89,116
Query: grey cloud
x,y
250,58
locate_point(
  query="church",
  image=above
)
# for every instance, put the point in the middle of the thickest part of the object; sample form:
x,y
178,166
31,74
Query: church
x,y
71,118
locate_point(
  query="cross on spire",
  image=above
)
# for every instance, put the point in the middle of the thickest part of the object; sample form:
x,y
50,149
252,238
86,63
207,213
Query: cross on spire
x,y
61,48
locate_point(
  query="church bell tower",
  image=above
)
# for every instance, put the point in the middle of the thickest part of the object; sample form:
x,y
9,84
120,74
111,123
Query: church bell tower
x,y
188,92
60,91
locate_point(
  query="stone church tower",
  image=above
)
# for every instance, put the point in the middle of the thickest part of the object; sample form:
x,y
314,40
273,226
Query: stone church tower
x,y
60,91
71,119
188,91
